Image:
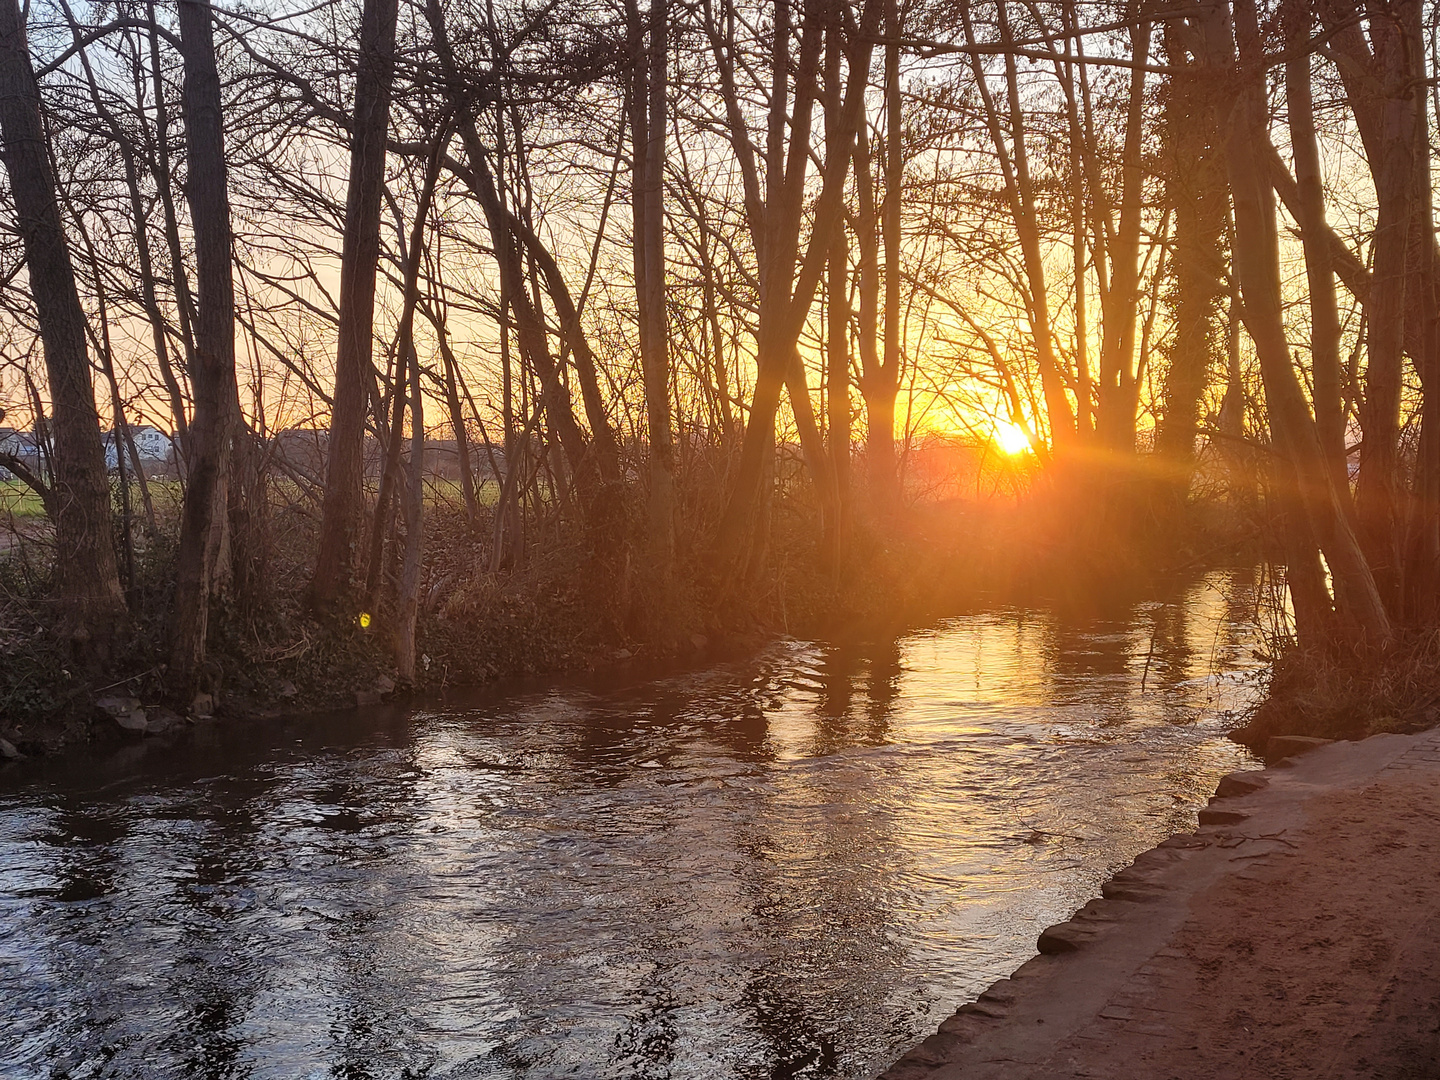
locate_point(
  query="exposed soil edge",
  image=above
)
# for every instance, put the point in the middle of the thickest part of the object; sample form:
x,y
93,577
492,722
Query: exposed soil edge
x,y
1015,1026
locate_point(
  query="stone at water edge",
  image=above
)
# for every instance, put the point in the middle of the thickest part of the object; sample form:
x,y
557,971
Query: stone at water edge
x,y
1234,785
8,750
1063,938
1246,736
117,705
1283,747
1209,816
287,690
134,721
366,697
384,685
163,722
125,711
203,706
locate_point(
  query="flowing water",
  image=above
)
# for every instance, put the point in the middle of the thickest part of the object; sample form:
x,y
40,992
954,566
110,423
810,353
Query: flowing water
x,y
794,865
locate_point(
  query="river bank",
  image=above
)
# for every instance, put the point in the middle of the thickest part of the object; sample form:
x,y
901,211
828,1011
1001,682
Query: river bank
x,y
1294,933
557,614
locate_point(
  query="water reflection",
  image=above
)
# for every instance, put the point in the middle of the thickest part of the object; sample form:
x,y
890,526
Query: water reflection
x,y
791,866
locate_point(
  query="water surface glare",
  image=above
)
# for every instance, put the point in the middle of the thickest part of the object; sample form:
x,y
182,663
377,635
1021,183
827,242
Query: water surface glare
x,y
791,866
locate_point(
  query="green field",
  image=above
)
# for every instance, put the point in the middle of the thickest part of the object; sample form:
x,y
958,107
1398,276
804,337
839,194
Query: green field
x,y
17,499
438,491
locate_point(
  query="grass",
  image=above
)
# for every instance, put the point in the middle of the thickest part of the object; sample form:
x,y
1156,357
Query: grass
x,y
1337,694
442,492
16,499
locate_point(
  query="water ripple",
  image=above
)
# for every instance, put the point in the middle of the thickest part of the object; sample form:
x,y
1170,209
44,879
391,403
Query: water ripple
x,y
795,865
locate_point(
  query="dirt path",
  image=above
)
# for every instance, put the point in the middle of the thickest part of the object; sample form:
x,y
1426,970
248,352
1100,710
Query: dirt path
x,y
1297,936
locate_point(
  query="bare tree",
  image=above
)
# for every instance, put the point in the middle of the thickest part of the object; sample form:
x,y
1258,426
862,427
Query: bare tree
x,y
1195,189
354,370
1257,266
89,581
648,121
775,223
212,374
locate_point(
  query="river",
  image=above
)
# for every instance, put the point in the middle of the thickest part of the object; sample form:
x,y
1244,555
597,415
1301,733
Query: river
x,y
796,864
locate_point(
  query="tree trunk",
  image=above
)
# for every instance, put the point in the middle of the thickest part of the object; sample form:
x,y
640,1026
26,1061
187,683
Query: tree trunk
x,y
507,235
837,308
647,126
1378,482
785,296
457,417
342,508
408,607
86,571
212,376
164,185
1422,571
1258,267
1379,49
837,385
1195,188
1120,301
883,384
1020,194
1079,229
380,522
529,325
1324,308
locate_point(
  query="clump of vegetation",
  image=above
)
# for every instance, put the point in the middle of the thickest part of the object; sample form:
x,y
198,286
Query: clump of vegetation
x,y
267,651
1327,694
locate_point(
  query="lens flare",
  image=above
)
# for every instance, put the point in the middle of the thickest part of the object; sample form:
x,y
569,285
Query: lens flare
x,y
1011,438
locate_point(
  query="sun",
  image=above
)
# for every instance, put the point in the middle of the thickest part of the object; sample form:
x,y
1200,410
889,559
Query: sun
x,y
1011,438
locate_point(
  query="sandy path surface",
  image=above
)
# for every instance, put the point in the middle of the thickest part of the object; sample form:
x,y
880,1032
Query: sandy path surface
x,y
1296,936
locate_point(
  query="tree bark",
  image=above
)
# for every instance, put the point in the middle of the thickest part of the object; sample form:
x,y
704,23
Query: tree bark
x,y
1422,569
1380,51
1195,187
212,376
342,507
1014,163
160,170
882,385
1377,482
1120,302
452,387
1326,373
647,127
785,297
86,571
837,310
1257,264
408,606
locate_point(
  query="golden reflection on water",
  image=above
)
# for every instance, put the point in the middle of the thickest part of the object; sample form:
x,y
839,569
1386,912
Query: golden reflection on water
x,y
792,865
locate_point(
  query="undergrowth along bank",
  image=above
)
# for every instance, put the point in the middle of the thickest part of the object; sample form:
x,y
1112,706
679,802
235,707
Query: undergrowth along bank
x,y
557,608
1351,694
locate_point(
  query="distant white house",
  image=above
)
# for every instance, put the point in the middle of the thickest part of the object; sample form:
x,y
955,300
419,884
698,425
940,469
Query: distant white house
x,y
152,444
17,442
